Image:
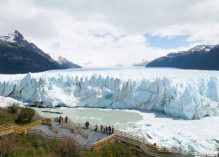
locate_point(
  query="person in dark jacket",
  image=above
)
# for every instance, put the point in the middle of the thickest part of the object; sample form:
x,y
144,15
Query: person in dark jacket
x,y
112,129
87,124
96,127
101,128
66,119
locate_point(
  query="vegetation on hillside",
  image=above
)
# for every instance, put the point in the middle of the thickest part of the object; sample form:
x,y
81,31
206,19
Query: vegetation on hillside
x,y
30,145
16,114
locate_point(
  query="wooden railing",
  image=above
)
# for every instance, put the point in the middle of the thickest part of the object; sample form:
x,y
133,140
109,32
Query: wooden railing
x,y
99,144
153,150
7,129
11,128
46,121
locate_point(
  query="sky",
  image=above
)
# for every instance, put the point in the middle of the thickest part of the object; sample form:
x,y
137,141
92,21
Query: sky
x,y
101,33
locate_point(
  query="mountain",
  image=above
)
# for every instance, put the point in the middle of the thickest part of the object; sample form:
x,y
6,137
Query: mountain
x,y
63,61
202,57
142,63
17,55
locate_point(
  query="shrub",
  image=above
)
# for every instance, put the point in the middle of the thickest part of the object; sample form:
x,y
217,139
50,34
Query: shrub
x,y
6,117
67,147
13,109
25,115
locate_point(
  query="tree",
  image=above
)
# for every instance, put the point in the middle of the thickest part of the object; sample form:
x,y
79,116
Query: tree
x,y
25,115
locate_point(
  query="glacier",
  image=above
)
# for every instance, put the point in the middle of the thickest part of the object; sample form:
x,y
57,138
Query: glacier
x,y
188,94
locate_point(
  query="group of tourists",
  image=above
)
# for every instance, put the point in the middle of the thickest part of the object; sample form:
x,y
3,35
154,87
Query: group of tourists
x,y
61,119
105,129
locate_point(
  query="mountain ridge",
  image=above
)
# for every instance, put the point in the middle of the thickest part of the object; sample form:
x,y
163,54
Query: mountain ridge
x,y
17,55
201,57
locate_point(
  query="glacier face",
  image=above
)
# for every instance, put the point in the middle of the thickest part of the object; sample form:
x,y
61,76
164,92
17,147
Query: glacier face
x,y
187,94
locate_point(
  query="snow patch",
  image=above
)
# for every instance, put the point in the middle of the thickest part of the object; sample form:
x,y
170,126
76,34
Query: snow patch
x,y
7,101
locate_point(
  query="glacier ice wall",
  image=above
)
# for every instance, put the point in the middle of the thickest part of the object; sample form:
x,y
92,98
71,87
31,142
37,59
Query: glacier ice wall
x,y
177,95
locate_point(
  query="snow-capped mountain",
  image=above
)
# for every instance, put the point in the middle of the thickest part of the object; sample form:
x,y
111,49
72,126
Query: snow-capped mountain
x,y
203,57
202,48
17,55
63,61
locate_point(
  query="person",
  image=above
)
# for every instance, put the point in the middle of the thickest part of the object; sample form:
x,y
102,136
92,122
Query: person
x,y
106,129
112,129
95,128
101,128
66,119
87,124
59,119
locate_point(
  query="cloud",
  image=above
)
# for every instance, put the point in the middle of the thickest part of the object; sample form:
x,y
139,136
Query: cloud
x,y
107,33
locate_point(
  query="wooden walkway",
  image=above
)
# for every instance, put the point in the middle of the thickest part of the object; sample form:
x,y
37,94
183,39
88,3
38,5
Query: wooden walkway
x,y
11,128
152,150
95,140
86,138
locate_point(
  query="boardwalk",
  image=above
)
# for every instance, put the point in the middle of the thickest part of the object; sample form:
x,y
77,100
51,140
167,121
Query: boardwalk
x,y
93,136
95,140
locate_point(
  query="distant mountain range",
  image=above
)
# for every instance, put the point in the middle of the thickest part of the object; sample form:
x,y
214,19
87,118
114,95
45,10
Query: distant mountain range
x,y
142,63
203,57
17,55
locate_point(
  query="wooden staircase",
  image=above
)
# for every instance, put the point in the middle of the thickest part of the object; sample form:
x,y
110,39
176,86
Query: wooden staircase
x,y
13,128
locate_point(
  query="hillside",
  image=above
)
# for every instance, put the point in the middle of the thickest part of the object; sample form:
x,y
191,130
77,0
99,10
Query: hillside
x,y
17,55
202,57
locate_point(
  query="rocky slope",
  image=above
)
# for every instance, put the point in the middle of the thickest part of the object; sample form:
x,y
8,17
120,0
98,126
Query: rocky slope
x,y
203,57
17,55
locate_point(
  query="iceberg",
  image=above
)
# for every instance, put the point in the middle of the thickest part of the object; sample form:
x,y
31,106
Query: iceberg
x,y
188,94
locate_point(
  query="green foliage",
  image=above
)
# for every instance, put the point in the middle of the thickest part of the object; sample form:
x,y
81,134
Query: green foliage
x,y
30,145
6,117
13,109
25,115
16,114
66,147
24,145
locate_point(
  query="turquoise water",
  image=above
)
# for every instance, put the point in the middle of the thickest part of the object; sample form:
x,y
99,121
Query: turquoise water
x,y
122,119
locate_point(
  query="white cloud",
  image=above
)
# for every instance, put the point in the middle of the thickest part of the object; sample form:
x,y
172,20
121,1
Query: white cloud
x,y
107,33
